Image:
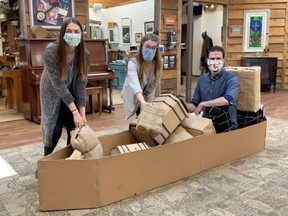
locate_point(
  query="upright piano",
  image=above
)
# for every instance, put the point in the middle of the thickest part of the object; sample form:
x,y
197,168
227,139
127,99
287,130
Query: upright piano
x,y
31,66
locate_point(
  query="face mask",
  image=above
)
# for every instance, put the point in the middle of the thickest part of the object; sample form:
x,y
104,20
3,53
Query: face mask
x,y
72,39
148,53
215,65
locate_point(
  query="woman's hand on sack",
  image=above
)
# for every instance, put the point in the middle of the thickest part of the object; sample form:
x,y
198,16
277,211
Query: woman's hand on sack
x,y
147,104
78,119
84,119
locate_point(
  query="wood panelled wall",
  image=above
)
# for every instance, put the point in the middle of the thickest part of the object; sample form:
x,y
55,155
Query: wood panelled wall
x,y
170,81
81,8
278,27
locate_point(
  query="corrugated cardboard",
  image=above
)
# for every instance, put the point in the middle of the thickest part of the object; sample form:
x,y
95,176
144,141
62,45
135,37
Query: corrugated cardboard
x,y
249,98
75,184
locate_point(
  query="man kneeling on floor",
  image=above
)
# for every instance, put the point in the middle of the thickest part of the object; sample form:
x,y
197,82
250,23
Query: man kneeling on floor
x,y
216,93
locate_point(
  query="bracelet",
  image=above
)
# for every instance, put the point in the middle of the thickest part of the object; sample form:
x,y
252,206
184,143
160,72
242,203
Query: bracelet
x,y
74,110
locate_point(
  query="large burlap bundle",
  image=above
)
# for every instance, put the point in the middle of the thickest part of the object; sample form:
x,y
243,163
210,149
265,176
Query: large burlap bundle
x,y
175,111
197,125
85,141
39,32
179,134
150,120
249,98
141,137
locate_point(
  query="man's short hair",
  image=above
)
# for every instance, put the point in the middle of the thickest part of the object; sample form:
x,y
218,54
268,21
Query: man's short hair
x,y
217,48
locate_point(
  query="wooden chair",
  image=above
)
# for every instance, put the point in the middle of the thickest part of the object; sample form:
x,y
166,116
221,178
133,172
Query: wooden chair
x,y
14,89
95,90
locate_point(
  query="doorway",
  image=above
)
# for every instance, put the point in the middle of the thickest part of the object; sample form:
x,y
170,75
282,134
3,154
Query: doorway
x,y
207,18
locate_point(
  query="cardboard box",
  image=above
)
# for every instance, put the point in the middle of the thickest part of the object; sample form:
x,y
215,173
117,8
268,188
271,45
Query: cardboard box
x,y
75,184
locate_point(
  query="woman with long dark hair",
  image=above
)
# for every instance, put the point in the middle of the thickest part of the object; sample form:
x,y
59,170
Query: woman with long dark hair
x,y
63,84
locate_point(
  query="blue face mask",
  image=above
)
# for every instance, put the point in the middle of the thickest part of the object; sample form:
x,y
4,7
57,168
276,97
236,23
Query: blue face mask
x,y
72,39
148,53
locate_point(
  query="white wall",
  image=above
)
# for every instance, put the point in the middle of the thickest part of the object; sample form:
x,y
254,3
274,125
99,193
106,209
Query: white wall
x,y
210,21
138,12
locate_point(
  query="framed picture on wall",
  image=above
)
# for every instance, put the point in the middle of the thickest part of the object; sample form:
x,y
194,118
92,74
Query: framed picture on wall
x,y
50,13
149,27
256,29
126,30
138,37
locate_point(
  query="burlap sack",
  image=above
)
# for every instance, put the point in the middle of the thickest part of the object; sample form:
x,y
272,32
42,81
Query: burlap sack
x,y
197,125
141,137
85,140
175,111
39,32
249,98
179,134
150,120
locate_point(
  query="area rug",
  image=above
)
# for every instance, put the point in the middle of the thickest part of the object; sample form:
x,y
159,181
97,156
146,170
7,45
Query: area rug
x,y
255,185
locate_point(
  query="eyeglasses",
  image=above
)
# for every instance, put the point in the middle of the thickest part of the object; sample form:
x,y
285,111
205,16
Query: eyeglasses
x,y
149,47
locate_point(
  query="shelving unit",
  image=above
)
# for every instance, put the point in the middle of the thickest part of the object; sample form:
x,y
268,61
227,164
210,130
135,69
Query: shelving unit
x,y
10,30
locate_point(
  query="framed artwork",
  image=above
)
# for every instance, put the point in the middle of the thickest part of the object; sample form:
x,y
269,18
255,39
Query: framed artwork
x,y
149,27
256,29
138,37
126,30
235,31
50,13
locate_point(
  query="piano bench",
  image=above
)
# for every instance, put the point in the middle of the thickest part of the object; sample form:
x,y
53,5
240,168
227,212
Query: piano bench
x,y
95,90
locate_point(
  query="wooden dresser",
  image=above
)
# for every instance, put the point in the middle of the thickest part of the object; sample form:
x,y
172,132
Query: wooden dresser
x,y
31,65
268,69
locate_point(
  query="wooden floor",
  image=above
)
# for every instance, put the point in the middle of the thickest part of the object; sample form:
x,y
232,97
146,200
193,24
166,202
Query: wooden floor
x,y
21,132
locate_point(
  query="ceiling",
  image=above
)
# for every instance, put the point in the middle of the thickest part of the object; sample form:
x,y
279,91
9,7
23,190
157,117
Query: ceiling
x,y
112,3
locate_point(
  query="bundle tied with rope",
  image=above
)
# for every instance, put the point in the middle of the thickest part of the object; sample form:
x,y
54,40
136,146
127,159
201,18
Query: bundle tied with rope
x,y
85,143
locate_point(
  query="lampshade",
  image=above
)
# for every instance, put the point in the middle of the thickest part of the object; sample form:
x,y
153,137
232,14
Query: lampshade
x,y
3,16
97,6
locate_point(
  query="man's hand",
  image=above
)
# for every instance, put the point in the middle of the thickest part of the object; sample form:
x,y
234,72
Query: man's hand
x,y
190,107
199,108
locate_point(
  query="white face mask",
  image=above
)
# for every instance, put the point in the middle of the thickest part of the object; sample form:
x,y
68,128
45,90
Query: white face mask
x,y
215,66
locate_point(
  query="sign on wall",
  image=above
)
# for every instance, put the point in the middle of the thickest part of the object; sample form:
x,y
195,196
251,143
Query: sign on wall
x,y
50,13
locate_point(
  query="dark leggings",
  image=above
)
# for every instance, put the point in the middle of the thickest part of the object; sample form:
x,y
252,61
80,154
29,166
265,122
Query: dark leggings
x,y
65,119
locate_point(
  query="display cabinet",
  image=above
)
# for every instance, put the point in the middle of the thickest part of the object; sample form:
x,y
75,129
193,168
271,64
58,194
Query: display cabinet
x,y
119,68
